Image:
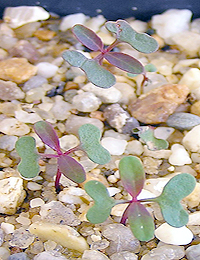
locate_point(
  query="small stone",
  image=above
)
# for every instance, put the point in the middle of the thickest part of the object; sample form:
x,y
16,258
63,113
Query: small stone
x,y
71,195
118,232
1,236
125,255
191,79
12,195
33,186
67,142
26,50
7,227
163,66
62,234
21,238
194,218
116,116
93,254
151,165
179,22
86,102
130,124
11,126
35,94
179,155
25,31
20,15
183,121
24,221
7,142
155,106
134,147
37,202
17,70
193,199
193,252
19,256
44,35
34,82
191,141
70,20
10,91
174,236
74,122
4,253
55,212
168,252
37,247
109,95
46,69
127,92
50,255
113,145
26,117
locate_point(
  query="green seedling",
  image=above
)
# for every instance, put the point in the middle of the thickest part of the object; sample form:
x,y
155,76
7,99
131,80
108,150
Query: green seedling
x,y
93,68
146,134
140,221
89,136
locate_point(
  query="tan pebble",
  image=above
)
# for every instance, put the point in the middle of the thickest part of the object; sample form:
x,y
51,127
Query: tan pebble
x,y
155,106
44,35
61,234
91,176
17,70
193,199
195,108
159,40
71,85
98,115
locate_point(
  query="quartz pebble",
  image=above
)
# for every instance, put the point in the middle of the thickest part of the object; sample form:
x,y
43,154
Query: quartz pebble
x,y
55,212
61,109
72,19
194,218
7,142
86,102
179,155
118,232
183,121
74,122
7,227
10,91
193,252
12,194
116,116
34,82
19,256
113,145
26,117
62,234
71,195
50,255
17,70
11,126
46,69
68,141
21,238
20,15
179,22
109,95
1,236
4,253
191,141
168,252
36,202
193,199
156,105
191,78
125,255
174,236
33,186
93,254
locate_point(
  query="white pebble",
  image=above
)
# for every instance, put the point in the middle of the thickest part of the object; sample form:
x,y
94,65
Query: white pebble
x,y
179,155
20,15
4,253
33,186
26,117
7,227
68,141
191,140
86,102
72,19
134,147
23,220
113,145
194,218
112,179
174,236
46,69
37,202
11,126
163,132
171,22
113,191
191,78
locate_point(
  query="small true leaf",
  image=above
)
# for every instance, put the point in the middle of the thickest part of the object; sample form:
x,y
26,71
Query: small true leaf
x,y
150,68
125,33
97,74
74,58
124,62
26,149
132,174
47,134
71,168
90,136
100,211
141,222
174,191
87,37
146,133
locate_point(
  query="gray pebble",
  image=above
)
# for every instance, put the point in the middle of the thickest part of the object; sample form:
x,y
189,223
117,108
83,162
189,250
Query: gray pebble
x,y
19,256
193,252
183,121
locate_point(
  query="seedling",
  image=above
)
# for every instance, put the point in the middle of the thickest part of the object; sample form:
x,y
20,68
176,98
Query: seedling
x,y
93,68
140,221
89,142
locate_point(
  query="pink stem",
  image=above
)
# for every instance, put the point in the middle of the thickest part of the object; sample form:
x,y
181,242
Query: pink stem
x,y
57,180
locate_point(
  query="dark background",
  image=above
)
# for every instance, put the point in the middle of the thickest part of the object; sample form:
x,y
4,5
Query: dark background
x,y
111,9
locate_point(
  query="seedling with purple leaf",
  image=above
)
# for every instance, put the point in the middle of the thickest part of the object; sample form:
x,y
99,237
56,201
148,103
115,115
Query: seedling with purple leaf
x,y
140,221
93,68
89,142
